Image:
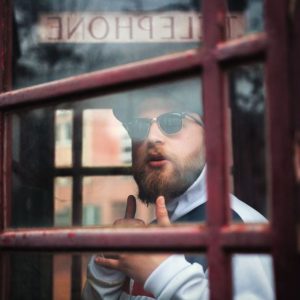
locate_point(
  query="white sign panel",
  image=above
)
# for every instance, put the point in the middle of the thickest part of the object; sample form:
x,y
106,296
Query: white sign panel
x,y
167,27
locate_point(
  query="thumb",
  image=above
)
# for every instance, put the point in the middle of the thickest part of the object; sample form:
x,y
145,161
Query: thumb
x,y
130,207
161,212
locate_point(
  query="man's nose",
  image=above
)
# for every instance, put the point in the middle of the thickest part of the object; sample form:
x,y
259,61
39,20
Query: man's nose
x,y
155,134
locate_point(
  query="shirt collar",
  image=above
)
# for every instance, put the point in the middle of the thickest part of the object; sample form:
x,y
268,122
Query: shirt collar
x,y
194,196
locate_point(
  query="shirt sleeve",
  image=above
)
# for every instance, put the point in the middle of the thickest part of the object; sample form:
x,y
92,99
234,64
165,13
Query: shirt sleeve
x,y
177,279
102,283
252,277
106,284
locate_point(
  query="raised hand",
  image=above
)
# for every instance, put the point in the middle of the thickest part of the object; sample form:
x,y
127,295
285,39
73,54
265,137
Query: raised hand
x,y
137,266
130,211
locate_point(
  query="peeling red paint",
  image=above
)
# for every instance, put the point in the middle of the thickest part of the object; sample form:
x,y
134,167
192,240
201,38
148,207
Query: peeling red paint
x,y
71,235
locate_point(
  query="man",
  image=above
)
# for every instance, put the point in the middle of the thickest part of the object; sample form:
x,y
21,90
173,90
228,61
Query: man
x,y
168,159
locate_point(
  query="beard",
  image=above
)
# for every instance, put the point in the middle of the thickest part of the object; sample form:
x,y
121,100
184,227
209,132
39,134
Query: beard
x,y
170,181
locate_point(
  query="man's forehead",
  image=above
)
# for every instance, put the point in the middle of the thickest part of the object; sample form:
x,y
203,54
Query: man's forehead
x,y
157,104
182,96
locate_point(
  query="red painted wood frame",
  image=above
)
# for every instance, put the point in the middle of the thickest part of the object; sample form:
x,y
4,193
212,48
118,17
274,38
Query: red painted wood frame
x,y
219,238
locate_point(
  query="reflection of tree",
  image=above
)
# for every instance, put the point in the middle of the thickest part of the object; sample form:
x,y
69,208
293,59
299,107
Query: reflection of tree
x,y
248,135
39,62
253,11
45,62
58,58
249,92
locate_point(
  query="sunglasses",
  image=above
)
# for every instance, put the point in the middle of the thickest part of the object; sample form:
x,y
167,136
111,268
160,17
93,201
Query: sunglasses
x,y
169,123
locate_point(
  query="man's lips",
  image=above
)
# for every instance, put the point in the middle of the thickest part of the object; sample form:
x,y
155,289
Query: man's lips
x,y
156,161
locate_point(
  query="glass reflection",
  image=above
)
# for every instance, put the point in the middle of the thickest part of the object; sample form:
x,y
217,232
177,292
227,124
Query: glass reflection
x,y
174,276
62,276
104,200
158,129
160,126
30,276
248,136
63,201
82,276
244,17
181,274
63,137
56,39
32,163
105,142
67,276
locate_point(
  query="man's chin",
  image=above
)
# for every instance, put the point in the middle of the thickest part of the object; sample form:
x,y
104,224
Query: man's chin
x,y
164,170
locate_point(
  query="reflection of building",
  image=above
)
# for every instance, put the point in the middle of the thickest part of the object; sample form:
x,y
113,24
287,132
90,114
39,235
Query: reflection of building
x,y
105,144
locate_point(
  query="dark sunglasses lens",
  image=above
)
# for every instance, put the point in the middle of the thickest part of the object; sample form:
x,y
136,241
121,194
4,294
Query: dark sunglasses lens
x,y
170,123
139,129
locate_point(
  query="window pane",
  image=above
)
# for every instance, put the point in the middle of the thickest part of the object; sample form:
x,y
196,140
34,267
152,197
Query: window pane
x,y
244,17
32,163
63,201
160,126
62,266
57,39
46,276
165,124
161,280
104,200
253,276
64,276
247,103
105,142
63,138
31,276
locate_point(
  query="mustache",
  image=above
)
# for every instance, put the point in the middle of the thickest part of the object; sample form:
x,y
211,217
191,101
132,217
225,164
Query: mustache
x,y
156,153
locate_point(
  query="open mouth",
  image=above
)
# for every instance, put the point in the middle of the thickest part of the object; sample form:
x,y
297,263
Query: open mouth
x,y
156,160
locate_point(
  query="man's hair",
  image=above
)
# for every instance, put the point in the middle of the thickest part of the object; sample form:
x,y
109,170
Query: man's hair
x,y
184,95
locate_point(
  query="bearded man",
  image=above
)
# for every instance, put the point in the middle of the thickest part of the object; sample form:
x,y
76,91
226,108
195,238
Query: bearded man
x,y
168,160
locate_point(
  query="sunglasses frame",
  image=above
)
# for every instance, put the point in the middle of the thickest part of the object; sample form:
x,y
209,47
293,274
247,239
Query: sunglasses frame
x,y
182,115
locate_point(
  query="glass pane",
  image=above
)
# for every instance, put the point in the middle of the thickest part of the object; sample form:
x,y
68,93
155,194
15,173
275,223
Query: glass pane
x,y
62,267
155,276
45,276
63,138
160,127
247,102
105,142
253,276
31,189
63,201
165,125
104,200
57,39
244,17
67,276
30,276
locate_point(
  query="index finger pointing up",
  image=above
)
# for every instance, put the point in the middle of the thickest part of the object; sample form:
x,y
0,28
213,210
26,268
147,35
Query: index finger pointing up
x,y
130,207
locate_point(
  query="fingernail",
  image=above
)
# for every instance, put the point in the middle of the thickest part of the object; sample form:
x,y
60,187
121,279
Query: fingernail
x,y
160,201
